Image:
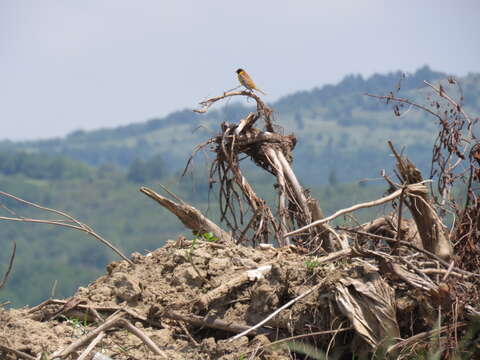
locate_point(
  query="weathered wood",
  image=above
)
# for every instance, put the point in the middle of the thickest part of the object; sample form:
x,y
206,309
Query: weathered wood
x,y
189,216
431,229
368,301
388,198
297,188
212,322
224,289
282,198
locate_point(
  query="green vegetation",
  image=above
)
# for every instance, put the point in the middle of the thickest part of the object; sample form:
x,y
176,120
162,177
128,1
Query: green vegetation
x,y
208,237
38,166
311,264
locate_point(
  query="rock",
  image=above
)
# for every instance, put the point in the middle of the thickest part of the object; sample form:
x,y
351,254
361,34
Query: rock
x,y
136,257
209,345
217,265
126,288
162,337
185,273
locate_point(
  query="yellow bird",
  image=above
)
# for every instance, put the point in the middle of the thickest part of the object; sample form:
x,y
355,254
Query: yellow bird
x,y
247,81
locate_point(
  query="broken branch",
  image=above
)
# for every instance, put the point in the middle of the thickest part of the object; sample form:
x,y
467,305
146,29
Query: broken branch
x,y
189,216
413,187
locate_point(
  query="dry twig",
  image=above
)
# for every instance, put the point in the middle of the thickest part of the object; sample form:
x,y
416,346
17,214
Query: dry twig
x,y
138,333
20,354
64,223
92,345
10,265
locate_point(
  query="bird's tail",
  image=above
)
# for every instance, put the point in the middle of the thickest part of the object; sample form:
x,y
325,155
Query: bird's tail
x,y
260,91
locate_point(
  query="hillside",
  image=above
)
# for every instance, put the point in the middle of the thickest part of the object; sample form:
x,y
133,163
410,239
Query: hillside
x,y
337,124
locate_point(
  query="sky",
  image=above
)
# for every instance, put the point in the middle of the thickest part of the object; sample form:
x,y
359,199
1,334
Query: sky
x,y
89,64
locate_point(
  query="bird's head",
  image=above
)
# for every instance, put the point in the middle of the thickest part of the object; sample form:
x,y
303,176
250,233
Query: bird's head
x,y
240,71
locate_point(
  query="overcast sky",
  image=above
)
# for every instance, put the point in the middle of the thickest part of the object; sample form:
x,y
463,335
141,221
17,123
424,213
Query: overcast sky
x,y
86,64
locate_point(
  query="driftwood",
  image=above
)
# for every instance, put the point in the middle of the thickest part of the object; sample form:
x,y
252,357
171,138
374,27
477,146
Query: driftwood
x,y
112,321
138,333
324,230
196,320
300,221
390,226
189,216
91,346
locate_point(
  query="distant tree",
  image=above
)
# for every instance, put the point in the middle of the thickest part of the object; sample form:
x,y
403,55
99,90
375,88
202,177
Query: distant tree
x,y
156,167
299,121
138,171
40,166
108,170
332,178
144,171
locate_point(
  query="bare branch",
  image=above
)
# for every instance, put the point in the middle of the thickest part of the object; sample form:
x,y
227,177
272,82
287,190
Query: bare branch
x,y
92,345
443,94
406,101
207,103
110,322
65,223
10,265
394,195
212,322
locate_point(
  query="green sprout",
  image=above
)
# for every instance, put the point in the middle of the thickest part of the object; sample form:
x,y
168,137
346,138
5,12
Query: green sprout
x,y
209,237
311,264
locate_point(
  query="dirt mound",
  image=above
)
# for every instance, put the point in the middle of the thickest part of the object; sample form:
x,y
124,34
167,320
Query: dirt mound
x,y
194,299
188,297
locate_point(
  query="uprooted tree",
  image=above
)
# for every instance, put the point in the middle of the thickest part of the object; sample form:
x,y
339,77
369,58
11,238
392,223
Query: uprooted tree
x,y
399,254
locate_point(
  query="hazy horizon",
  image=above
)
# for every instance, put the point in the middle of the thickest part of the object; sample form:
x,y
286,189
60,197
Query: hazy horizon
x,y
106,63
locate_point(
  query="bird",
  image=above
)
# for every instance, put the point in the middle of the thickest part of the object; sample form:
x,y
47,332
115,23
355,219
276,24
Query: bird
x,y
247,81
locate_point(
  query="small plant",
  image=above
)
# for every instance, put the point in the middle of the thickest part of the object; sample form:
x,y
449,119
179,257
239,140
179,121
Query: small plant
x,y
76,323
311,264
209,237
189,255
192,247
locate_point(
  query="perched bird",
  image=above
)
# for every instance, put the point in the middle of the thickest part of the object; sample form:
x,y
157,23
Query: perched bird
x,y
247,81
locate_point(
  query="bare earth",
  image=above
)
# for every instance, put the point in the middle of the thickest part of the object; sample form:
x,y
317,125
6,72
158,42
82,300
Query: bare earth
x,y
174,281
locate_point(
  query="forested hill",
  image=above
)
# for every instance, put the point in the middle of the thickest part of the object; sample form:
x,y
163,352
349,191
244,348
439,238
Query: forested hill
x,y
340,131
